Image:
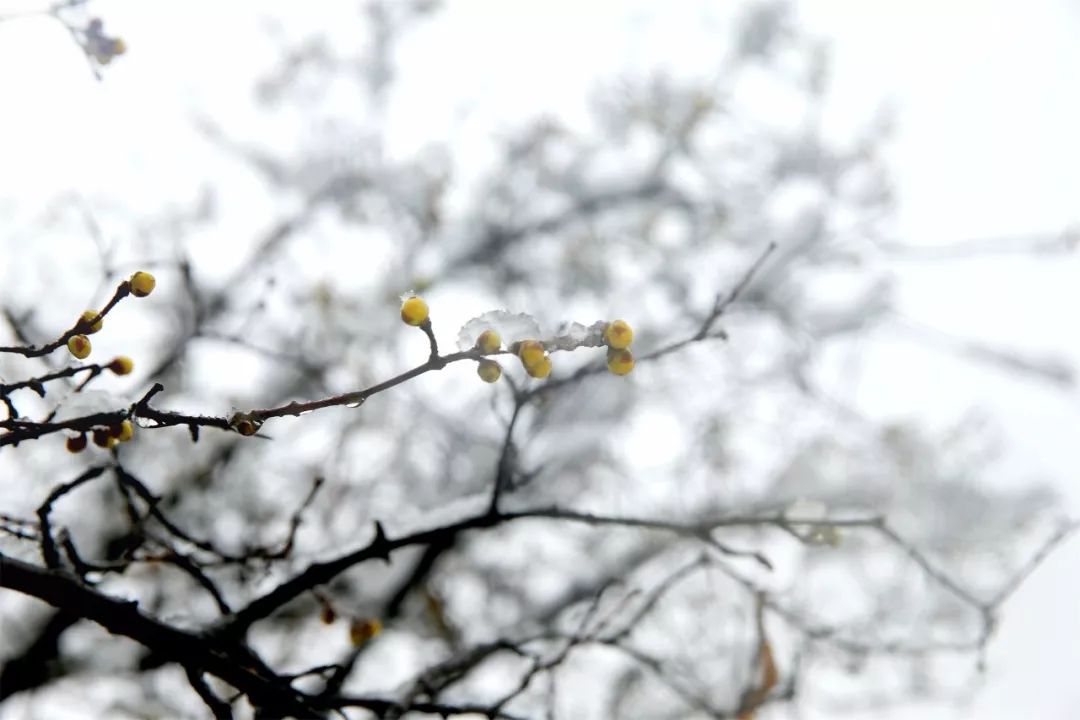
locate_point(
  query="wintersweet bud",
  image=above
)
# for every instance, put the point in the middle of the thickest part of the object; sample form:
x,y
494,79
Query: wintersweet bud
x,y
84,322
620,362
79,346
142,284
489,370
414,311
77,443
489,342
618,335
541,369
245,427
121,365
531,353
126,432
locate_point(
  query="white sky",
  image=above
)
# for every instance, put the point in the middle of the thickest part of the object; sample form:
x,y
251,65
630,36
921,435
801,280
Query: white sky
x,y
987,144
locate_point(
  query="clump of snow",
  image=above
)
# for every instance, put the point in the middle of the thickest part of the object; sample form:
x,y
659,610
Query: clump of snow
x,y
512,327
574,335
575,331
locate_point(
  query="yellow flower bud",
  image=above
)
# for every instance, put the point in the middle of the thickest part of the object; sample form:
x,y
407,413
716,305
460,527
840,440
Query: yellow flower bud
x,y
489,342
489,370
362,630
76,444
414,311
127,431
84,322
142,284
531,353
620,362
121,365
244,424
541,369
79,346
618,335
245,427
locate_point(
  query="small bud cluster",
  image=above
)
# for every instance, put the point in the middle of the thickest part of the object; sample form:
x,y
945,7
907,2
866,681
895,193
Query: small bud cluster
x,y
617,336
534,358
480,336
104,437
489,343
139,284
